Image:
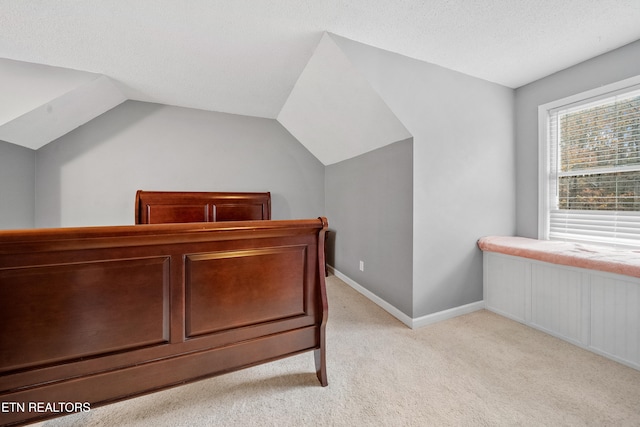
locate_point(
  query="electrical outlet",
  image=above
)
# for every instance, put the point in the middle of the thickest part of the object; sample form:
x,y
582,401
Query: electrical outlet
x,y
361,265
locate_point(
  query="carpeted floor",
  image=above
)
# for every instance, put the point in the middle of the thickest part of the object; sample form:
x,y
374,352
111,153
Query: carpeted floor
x,y
475,370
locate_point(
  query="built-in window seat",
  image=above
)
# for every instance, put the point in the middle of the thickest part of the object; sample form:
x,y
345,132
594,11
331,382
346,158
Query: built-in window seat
x,y
585,294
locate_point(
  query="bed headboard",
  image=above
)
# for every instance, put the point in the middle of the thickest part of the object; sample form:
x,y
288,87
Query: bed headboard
x,y
161,207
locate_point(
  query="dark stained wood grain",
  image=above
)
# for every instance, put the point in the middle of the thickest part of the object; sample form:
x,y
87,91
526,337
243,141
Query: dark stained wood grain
x,y
228,289
162,207
100,314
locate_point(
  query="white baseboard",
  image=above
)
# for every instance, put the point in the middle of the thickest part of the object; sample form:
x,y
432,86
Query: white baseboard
x,y
447,314
373,297
410,322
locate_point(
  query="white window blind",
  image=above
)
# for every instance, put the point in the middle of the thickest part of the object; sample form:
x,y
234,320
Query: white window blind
x,y
593,169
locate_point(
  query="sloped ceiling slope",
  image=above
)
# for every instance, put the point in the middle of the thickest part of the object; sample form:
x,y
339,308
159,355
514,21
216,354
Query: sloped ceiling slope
x,y
42,103
334,112
245,56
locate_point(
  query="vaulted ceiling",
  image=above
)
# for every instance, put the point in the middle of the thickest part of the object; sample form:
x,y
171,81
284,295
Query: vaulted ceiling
x,y
246,56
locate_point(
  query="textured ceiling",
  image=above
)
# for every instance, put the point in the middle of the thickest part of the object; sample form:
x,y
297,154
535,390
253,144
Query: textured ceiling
x,y
245,56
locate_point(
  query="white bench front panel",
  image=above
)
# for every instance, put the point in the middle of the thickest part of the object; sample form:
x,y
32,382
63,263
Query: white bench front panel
x,y
595,310
615,318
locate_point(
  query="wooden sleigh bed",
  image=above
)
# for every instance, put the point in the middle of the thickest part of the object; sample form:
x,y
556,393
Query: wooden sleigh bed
x,y
93,315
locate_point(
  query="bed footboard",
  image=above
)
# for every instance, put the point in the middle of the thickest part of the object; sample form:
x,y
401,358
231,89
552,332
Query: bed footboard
x,y
90,316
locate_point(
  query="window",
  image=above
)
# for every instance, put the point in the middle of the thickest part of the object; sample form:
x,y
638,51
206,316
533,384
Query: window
x,y
590,167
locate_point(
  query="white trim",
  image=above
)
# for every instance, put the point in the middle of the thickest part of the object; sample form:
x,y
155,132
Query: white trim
x,y
447,314
373,297
408,321
543,173
544,156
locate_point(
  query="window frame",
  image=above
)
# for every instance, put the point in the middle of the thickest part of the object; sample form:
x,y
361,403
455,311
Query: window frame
x,y
544,143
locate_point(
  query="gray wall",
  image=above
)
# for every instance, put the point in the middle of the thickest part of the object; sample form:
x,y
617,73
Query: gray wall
x,y
611,67
463,163
369,204
90,176
17,186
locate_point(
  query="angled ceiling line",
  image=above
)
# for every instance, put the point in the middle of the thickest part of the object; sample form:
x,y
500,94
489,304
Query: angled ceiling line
x,y
334,112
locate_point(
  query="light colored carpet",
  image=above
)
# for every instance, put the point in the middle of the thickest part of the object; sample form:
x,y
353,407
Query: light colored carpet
x,y
474,370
